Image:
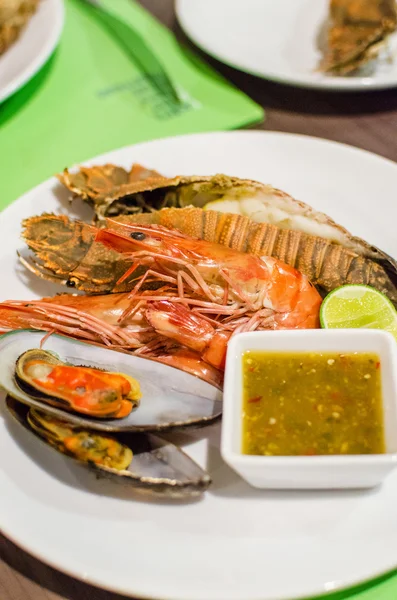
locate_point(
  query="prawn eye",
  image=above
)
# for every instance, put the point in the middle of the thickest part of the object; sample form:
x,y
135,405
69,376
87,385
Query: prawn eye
x,y
138,235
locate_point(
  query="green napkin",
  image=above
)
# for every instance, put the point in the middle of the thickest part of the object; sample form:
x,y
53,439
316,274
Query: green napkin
x,y
93,97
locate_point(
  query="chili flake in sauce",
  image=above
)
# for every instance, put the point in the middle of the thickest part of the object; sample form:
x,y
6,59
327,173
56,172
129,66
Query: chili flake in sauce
x,y
312,403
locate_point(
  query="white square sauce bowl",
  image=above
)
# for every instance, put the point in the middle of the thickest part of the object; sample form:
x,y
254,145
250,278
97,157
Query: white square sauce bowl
x,y
310,472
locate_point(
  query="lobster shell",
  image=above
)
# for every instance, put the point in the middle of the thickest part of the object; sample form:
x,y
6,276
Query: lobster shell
x,y
326,263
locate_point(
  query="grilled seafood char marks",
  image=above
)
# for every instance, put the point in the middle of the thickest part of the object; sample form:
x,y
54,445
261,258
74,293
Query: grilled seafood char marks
x,y
77,388
145,462
357,33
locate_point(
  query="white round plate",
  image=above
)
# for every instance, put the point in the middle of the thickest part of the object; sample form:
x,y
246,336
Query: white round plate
x,y
236,543
33,47
275,39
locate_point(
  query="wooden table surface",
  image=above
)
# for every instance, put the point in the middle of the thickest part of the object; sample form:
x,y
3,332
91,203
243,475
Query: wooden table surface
x,y
367,120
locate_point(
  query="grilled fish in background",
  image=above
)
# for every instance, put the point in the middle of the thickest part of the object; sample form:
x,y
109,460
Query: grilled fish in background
x,y
357,33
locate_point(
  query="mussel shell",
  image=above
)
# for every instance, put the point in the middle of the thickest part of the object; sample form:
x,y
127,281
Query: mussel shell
x,y
24,381
157,467
170,398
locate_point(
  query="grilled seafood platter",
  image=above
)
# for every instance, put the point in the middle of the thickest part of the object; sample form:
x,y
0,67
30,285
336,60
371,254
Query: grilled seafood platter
x,y
156,284
358,33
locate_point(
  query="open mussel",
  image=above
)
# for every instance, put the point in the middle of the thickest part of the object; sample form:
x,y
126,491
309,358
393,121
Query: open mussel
x,y
93,392
146,462
170,398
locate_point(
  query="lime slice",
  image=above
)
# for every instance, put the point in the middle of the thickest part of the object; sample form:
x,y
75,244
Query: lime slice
x,y
355,306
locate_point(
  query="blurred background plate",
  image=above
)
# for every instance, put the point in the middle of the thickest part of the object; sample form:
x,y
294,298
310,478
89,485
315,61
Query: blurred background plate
x,y
280,41
32,49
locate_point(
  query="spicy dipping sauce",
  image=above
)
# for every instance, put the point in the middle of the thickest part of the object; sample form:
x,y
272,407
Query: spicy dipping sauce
x,y
312,403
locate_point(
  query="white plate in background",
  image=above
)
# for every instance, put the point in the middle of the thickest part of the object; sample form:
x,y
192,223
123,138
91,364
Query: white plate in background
x,y
35,44
278,40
